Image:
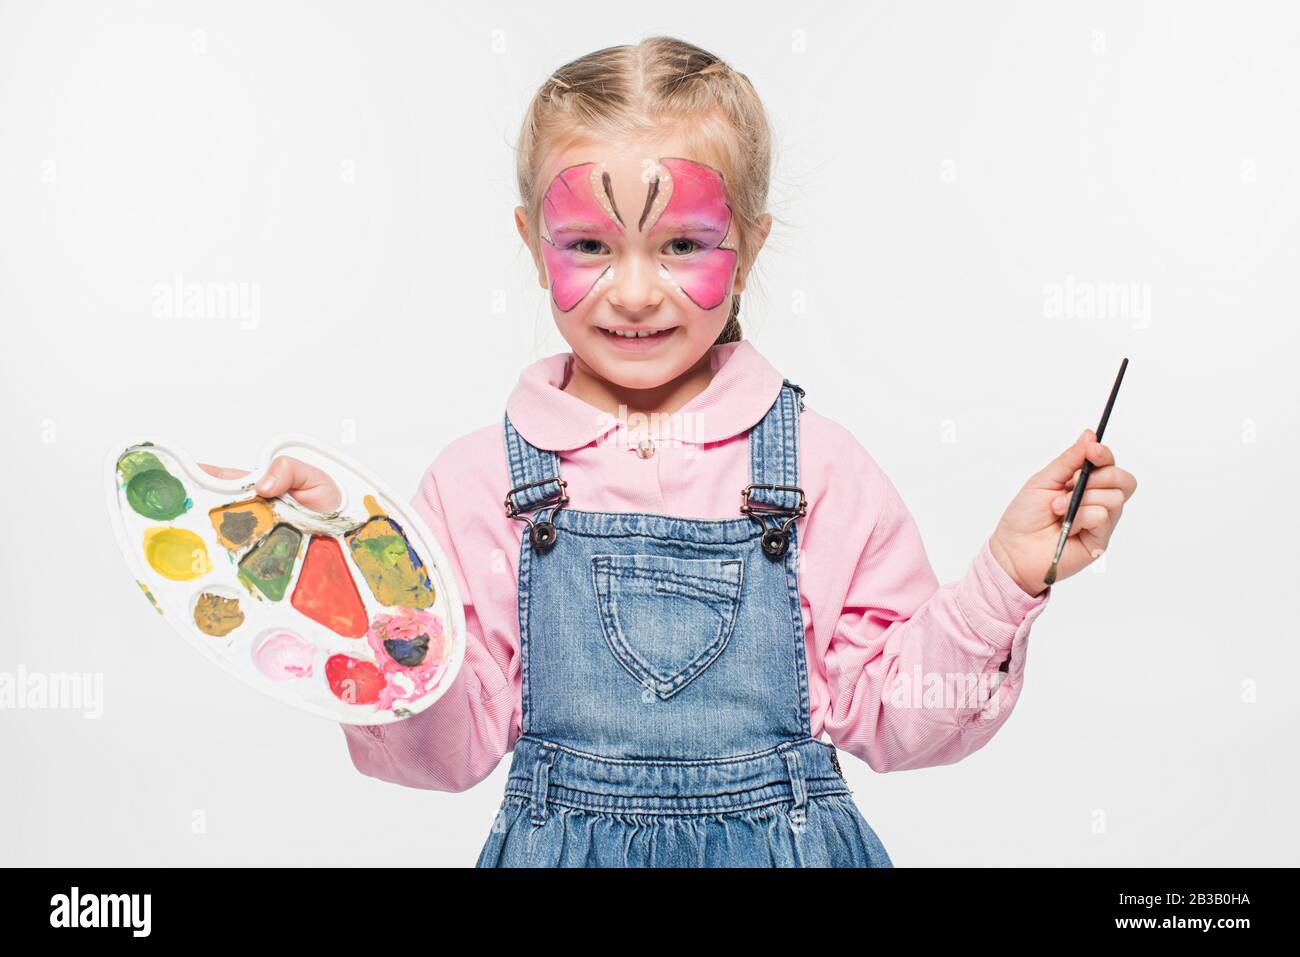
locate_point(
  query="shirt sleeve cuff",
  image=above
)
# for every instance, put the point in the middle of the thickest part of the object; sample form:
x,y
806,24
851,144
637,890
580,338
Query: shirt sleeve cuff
x,y
993,603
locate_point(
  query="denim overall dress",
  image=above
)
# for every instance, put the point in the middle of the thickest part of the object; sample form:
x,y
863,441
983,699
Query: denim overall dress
x,y
665,686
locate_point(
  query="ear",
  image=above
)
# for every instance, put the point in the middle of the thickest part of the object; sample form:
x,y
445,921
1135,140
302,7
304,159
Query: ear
x,y
764,228
521,224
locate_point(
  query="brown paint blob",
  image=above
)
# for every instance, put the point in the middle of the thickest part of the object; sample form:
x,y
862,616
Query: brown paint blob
x,y
217,615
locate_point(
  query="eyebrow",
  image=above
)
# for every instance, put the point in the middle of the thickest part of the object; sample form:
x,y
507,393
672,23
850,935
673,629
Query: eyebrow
x,y
581,227
599,227
690,228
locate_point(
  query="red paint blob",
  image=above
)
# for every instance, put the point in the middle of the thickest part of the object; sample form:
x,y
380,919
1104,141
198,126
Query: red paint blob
x,y
353,680
326,593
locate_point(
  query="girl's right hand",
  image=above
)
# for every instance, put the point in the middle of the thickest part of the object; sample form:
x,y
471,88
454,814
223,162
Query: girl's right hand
x,y
308,485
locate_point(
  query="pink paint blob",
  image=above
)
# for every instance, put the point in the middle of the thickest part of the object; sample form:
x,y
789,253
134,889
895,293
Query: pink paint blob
x,y
284,656
411,649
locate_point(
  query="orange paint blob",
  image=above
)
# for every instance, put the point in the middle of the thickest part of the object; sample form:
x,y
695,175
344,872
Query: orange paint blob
x,y
326,593
240,524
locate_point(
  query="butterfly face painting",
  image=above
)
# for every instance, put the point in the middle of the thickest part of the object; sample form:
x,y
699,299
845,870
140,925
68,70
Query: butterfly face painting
x,y
684,214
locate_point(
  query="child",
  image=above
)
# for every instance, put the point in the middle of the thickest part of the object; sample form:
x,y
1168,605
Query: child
x,y
661,662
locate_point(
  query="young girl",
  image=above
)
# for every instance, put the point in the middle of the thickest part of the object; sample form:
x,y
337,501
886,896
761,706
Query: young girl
x,y
677,578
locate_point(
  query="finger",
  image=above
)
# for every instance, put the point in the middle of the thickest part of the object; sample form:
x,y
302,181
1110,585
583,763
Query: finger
x,y
1099,455
1097,530
285,474
1096,541
1092,518
309,485
221,472
1119,478
1110,476
1058,471
1108,498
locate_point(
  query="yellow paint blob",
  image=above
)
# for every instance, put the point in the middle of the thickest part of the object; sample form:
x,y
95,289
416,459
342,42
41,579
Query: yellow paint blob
x,y
373,507
176,553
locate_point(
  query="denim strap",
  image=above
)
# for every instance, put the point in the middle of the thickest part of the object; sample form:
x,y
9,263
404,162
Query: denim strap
x,y
774,450
530,464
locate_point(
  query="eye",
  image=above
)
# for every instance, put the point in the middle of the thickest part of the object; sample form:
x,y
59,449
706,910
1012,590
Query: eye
x,y
674,247
589,247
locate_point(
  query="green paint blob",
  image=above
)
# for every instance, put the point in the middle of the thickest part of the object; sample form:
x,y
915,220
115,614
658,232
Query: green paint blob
x,y
269,565
391,568
387,550
156,494
134,462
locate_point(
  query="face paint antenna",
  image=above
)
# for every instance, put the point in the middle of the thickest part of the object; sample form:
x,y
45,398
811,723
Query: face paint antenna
x,y
649,201
609,195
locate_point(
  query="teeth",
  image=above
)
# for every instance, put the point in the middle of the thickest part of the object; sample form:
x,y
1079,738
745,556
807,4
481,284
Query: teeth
x,y
634,335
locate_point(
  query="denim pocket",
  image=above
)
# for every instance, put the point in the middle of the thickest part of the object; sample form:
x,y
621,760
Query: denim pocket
x,y
666,619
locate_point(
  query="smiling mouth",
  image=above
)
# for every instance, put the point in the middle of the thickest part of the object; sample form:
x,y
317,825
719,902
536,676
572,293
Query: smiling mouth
x,y
636,333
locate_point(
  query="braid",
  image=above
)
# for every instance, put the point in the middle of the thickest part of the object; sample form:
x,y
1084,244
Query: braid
x,y
731,332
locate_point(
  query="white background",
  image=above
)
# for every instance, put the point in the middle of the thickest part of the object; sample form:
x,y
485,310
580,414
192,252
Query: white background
x,y
941,168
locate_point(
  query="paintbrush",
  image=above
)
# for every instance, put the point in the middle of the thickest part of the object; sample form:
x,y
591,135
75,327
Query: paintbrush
x,y
1050,577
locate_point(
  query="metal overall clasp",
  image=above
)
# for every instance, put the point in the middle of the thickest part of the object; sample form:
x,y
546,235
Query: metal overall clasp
x,y
776,539
540,533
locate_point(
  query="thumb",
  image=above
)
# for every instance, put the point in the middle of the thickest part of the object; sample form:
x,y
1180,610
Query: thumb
x,y
309,485
1062,468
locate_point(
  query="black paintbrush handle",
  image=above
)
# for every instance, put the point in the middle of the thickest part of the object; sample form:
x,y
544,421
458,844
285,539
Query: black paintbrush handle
x,y
1078,492
1087,465
1110,402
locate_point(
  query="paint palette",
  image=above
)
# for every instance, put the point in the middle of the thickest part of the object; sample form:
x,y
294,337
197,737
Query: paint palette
x,y
351,615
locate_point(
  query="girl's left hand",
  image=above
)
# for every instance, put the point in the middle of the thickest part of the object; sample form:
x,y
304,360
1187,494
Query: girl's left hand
x,y
1025,539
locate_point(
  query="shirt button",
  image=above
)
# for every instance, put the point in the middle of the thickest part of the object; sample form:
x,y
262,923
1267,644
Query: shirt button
x,y
645,447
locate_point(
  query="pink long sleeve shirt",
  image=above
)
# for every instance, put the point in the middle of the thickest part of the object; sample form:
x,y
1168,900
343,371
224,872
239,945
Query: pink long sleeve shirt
x,y
903,672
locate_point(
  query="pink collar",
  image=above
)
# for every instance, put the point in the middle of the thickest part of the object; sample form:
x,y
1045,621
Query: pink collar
x,y
743,388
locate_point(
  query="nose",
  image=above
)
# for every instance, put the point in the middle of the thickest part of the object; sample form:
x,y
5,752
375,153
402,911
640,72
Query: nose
x,y
636,285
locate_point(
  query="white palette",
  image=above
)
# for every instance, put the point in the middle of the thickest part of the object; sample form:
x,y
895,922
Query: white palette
x,y
215,578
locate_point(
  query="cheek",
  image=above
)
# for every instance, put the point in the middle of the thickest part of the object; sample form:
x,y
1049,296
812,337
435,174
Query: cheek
x,y
571,278
706,276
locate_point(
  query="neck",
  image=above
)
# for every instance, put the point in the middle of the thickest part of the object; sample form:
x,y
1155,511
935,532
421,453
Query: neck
x,y
662,399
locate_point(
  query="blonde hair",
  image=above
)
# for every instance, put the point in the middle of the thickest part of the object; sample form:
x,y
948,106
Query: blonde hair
x,y
634,90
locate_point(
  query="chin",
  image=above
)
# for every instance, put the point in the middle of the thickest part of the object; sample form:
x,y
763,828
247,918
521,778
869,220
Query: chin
x,y
643,373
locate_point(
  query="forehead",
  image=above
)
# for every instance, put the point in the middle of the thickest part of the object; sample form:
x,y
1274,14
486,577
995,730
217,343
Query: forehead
x,y
624,159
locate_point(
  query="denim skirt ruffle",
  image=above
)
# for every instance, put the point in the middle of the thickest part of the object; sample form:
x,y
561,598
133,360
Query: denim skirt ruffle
x,y
563,809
